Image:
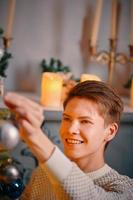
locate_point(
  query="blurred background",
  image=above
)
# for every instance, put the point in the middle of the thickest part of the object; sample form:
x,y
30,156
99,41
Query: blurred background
x,y
87,37
62,29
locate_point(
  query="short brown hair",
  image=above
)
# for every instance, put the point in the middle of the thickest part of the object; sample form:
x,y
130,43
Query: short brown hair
x,y
110,105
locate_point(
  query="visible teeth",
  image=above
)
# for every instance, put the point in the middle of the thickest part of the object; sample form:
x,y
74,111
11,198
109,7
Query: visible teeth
x,y
73,141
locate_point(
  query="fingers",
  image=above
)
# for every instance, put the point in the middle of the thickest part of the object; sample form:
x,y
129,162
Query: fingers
x,y
25,108
13,100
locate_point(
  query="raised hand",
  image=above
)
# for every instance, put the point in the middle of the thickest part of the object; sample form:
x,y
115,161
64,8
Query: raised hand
x,y
29,115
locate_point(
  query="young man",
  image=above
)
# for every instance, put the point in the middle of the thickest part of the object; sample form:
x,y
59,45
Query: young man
x,y
90,121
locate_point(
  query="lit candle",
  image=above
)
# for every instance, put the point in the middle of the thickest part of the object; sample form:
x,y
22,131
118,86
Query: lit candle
x,y
10,17
131,22
131,94
114,19
96,23
51,89
85,77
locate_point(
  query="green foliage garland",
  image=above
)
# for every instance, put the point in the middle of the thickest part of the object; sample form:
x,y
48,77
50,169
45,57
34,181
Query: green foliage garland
x,y
4,60
54,65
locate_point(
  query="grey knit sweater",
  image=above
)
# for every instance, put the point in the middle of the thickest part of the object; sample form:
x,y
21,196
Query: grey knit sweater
x,y
60,179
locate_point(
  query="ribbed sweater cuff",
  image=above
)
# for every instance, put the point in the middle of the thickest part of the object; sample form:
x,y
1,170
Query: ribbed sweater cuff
x,y
58,166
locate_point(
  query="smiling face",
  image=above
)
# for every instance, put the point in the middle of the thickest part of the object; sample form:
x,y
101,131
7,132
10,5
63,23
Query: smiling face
x,y
83,131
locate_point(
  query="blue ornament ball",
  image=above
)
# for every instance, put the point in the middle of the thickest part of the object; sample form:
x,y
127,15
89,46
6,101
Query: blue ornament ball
x,y
14,189
1,188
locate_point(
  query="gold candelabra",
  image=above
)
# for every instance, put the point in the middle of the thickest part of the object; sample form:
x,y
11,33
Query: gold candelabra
x,y
7,42
112,57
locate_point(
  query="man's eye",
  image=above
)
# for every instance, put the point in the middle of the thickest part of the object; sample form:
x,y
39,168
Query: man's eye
x,y
66,118
85,122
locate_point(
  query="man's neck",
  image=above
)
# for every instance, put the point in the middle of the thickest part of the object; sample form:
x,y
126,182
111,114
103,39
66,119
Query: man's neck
x,y
91,164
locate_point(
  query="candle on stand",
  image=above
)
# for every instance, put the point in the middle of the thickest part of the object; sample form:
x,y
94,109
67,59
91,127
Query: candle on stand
x,y
96,23
10,18
131,93
51,89
114,16
85,77
131,43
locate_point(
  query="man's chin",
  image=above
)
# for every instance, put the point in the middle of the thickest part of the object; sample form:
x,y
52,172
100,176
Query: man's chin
x,y
71,156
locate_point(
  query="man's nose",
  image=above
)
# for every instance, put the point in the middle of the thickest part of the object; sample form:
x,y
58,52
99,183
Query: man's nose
x,y
74,128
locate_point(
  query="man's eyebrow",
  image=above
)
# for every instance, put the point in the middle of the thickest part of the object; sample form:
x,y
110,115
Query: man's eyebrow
x,y
85,117
80,117
64,114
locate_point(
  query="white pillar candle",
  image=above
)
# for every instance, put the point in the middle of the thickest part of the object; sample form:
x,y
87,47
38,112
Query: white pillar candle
x,y
85,77
96,23
51,90
114,16
10,18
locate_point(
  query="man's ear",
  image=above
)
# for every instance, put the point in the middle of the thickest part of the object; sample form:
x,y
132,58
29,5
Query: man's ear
x,y
111,131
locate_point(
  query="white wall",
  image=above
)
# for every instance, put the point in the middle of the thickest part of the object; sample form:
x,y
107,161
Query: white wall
x,y
53,28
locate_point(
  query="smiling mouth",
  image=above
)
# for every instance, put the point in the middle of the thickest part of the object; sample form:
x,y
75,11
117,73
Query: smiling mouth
x,y
73,141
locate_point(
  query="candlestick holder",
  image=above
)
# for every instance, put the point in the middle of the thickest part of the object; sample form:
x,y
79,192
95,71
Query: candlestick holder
x,y
131,53
111,58
93,51
7,42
